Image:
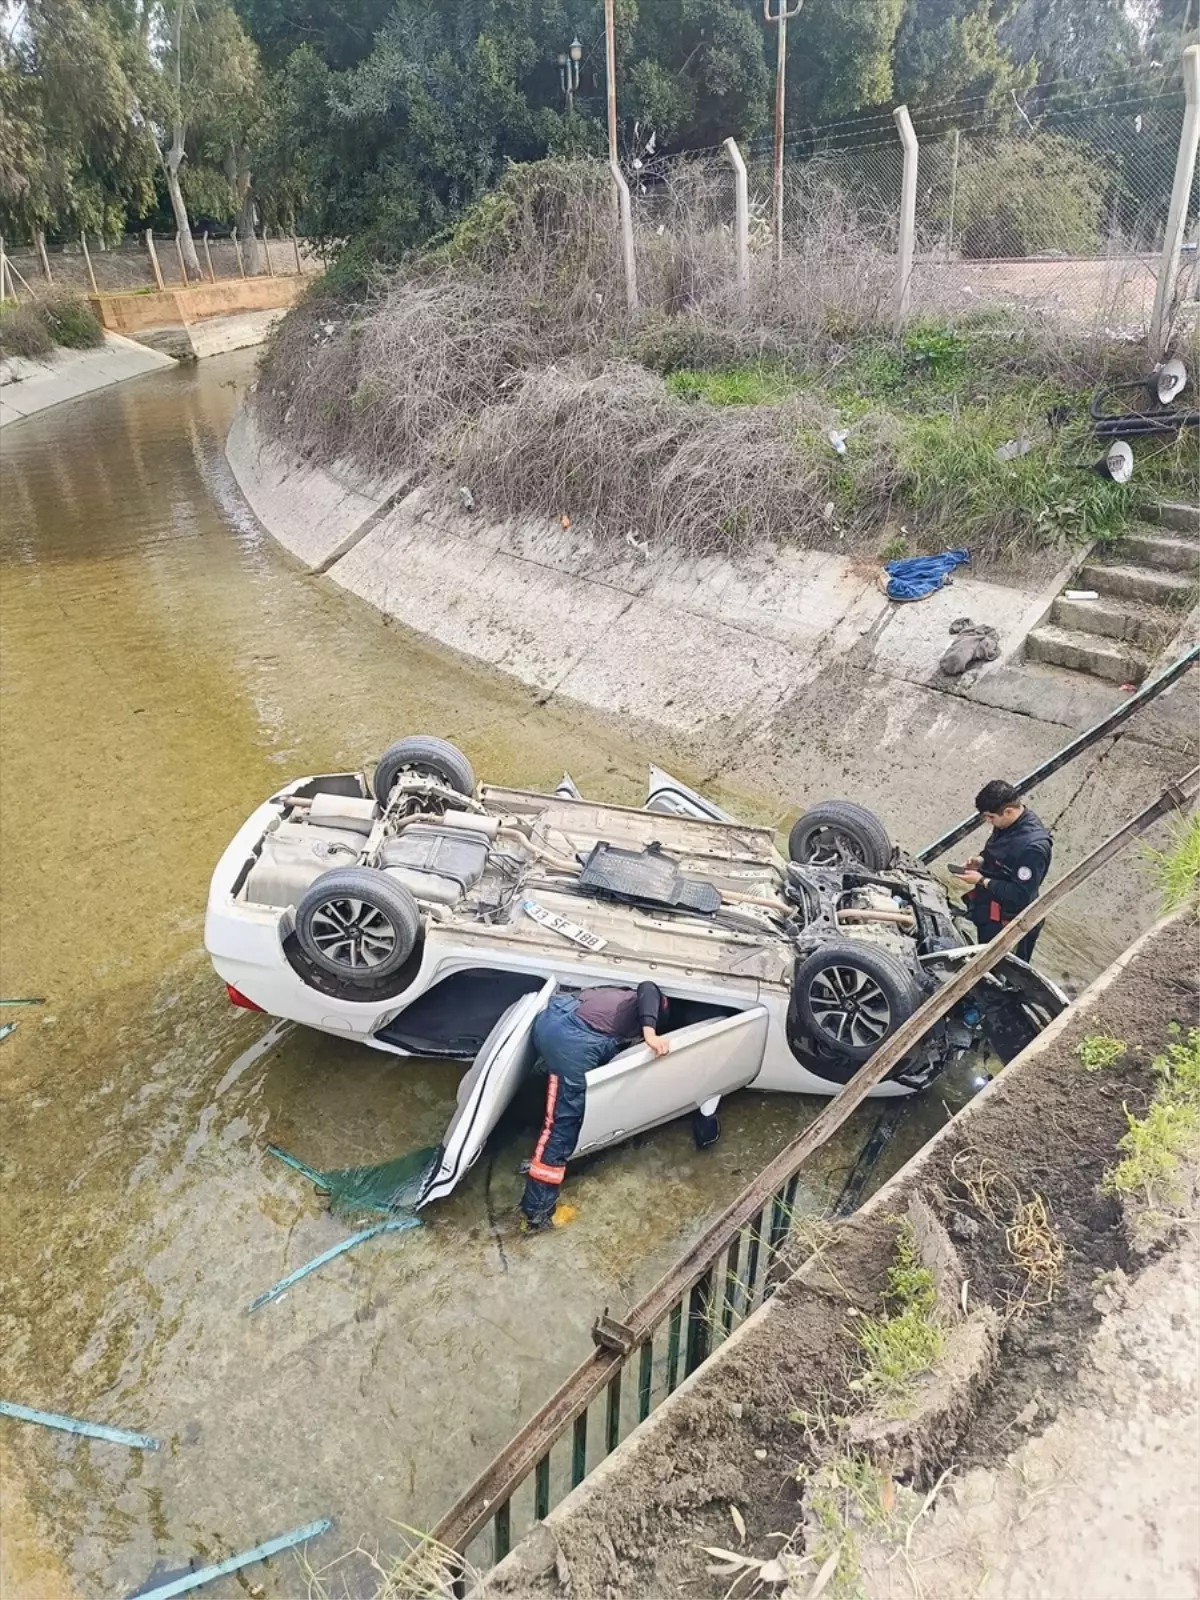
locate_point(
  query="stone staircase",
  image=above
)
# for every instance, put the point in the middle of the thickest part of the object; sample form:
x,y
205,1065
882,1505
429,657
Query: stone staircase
x,y
1146,585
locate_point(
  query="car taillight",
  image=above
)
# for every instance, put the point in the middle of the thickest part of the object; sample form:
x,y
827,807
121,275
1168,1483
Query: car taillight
x,y
237,998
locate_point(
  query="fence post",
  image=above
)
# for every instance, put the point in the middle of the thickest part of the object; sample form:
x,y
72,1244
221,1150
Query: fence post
x,y
908,220
625,204
39,239
267,253
1185,166
158,277
83,245
296,252
741,225
237,246
183,272
4,283
212,276
953,194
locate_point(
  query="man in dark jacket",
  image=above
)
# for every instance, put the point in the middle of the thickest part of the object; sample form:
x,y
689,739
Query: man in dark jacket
x,y
1015,860
574,1034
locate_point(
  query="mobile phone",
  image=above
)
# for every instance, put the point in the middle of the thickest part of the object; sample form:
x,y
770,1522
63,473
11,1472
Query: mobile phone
x,y
956,871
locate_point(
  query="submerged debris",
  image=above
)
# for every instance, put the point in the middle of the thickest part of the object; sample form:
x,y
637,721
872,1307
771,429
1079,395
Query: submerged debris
x,y
90,1430
202,1575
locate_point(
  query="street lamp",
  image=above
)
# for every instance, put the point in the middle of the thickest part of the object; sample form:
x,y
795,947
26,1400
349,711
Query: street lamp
x,y
568,71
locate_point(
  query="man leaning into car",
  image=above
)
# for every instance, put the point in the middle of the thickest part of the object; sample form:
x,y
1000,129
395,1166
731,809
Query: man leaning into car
x,y
1009,874
574,1034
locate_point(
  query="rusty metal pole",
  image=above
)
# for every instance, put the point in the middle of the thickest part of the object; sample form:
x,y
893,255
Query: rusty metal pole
x,y
610,65
780,19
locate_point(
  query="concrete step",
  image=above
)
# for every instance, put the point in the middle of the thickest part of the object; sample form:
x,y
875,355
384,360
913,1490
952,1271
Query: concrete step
x,y
1130,620
1109,659
1173,514
1163,552
1137,583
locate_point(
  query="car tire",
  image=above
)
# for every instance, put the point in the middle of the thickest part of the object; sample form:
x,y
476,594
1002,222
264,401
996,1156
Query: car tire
x,y
357,925
437,758
850,997
838,832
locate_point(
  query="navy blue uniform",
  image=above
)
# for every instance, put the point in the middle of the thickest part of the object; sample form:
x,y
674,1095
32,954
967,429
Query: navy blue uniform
x,y
1015,863
573,1035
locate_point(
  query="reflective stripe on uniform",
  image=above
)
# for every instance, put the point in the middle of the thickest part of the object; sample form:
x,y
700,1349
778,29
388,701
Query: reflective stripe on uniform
x,y
548,1125
544,1174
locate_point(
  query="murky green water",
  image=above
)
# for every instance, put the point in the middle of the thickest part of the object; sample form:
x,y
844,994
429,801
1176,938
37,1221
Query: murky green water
x,y
164,667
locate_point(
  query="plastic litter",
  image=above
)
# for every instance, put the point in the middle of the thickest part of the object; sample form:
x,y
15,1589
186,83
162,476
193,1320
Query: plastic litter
x,y
918,576
90,1430
9,1027
1013,448
396,1225
388,1187
1081,594
202,1575
837,438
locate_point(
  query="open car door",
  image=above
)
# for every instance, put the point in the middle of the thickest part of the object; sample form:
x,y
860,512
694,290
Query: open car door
x,y
637,1089
485,1092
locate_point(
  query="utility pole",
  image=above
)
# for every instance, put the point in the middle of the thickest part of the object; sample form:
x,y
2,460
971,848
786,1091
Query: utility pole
x,y
780,19
610,64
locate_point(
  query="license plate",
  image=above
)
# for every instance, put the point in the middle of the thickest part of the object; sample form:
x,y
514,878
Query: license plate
x,y
560,925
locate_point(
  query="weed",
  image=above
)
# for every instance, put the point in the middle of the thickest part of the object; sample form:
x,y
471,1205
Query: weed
x,y
23,332
1155,1147
1177,869
843,1498
895,549
908,1339
72,323
1030,1237
1100,1050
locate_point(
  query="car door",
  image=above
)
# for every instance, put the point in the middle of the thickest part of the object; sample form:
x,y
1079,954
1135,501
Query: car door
x,y
485,1091
637,1090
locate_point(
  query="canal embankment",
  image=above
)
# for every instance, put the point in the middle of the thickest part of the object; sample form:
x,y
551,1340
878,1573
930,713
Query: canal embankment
x,y
27,387
785,672
984,1382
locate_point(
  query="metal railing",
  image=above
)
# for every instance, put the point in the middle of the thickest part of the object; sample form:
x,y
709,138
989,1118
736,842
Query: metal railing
x,y
725,1276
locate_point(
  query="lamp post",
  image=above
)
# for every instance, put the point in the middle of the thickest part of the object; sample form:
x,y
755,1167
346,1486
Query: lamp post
x,y
568,72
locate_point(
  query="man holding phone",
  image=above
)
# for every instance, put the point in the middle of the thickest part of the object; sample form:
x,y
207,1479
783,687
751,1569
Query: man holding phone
x,y
1009,874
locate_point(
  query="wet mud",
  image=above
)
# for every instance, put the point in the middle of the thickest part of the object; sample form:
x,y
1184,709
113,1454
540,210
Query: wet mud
x,y
164,667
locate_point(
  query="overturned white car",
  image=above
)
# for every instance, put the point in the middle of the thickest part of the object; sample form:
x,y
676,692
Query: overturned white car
x,y
426,918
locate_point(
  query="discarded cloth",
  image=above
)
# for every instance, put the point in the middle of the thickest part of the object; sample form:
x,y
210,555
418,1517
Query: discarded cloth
x,y
975,641
918,576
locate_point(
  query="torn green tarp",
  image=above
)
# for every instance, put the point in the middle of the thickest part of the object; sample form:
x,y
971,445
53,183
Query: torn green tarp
x,y
390,1186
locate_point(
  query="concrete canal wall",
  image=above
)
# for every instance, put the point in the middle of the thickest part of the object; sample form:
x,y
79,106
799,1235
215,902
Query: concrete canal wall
x,y
27,387
788,673
203,319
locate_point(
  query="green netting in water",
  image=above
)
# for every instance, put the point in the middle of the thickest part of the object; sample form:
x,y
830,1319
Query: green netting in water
x,y
389,1187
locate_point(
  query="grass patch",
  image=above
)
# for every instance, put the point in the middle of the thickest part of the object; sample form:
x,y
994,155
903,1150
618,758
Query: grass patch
x,y
733,386
908,1338
1100,1050
1177,868
1156,1146
34,328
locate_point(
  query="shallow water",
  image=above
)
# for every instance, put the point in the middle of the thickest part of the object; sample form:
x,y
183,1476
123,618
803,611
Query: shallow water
x,y
164,667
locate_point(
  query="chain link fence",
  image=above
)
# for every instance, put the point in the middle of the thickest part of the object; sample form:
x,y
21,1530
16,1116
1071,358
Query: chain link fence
x,y
126,267
1054,212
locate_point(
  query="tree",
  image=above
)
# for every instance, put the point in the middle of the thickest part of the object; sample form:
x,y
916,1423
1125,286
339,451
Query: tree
x,y
840,58
77,152
947,49
695,71
209,76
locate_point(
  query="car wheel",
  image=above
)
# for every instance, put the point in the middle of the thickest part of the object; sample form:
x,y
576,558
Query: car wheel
x,y
837,833
434,758
357,925
850,997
